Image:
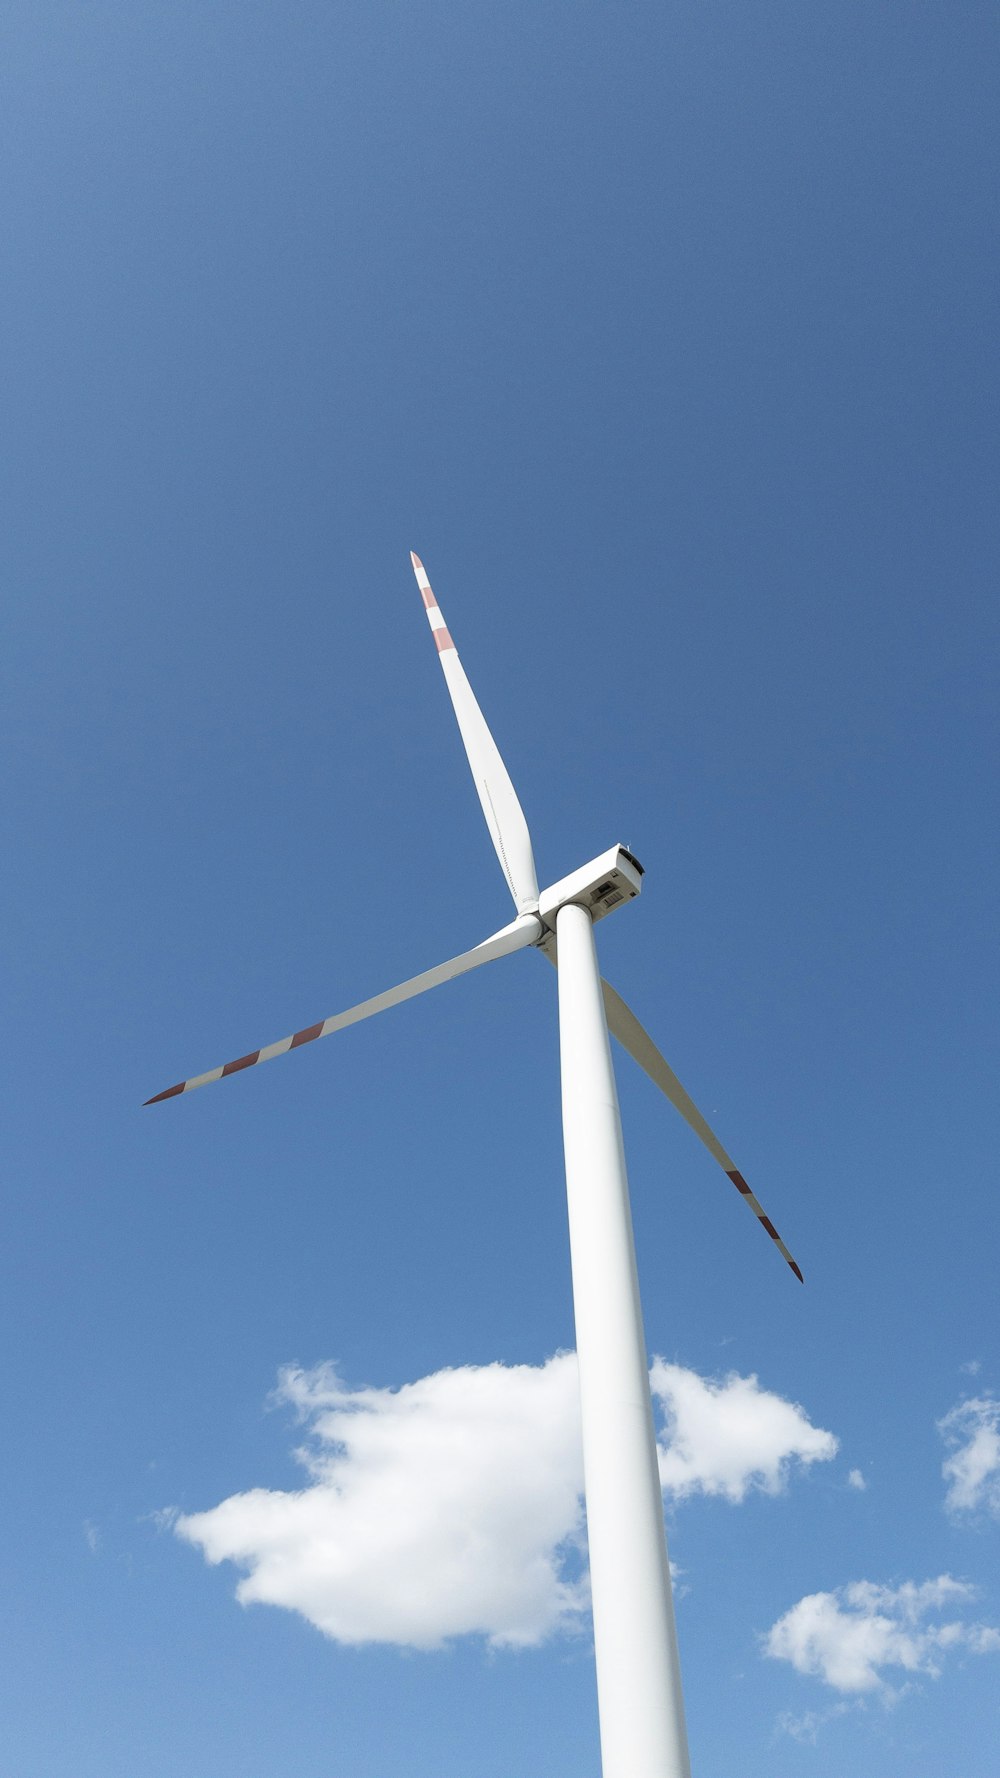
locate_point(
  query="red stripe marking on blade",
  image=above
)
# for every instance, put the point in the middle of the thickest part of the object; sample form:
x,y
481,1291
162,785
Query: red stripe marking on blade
x,y
766,1223
169,1094
306,1036
740,1183
242,1062
443,640
427,597
795,1269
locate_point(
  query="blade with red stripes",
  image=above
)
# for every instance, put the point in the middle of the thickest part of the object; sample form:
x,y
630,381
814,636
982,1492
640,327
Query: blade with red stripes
x,y
521,932
640,1046
504,815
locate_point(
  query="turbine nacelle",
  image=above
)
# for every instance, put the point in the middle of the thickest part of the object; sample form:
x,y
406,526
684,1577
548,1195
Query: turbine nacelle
x,y
601,886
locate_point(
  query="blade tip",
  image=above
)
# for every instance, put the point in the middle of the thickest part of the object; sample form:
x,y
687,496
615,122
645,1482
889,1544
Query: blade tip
x,y
170,1093
419,570
797,1272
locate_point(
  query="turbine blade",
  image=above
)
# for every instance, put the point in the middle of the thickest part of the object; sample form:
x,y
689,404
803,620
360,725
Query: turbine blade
x,y
630,1034
522,931
504,815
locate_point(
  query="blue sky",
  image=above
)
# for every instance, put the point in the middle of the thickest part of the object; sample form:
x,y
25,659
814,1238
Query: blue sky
x,y
666,335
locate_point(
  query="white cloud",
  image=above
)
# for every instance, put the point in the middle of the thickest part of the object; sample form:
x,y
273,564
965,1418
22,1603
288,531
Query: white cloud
x,y
163,1517
440,1509
724,1437
846,1638
856,1480
452,1506
972,1432
805,1728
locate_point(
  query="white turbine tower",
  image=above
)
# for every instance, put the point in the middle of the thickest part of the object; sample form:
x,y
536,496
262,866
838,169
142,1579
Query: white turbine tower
x,y
638,1672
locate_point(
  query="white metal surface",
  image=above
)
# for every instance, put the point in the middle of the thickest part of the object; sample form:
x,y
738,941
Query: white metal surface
x,y
638,1671
504,815
602,885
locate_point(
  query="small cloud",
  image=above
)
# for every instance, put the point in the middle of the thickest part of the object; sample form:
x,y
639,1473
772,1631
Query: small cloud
x,y
972,1433
848,1638
972,1368
805,1728
725,1436
855,1479
163,1517
92,1537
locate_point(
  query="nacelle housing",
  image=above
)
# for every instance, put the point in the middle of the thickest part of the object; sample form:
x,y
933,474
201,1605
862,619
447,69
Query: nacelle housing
x,y
600,886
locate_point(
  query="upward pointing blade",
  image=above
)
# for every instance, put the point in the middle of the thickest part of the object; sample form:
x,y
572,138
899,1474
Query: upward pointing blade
x,y
630,1034
522,931
504,815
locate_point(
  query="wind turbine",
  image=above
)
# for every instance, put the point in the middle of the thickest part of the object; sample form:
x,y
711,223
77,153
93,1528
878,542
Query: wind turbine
x,y
638,1672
